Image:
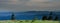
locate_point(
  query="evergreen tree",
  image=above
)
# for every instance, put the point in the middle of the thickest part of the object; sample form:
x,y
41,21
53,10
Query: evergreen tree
x,y
56,18
44,18
12,16
50,16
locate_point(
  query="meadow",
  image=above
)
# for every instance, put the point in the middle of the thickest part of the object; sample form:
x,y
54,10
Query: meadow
x,y
28,21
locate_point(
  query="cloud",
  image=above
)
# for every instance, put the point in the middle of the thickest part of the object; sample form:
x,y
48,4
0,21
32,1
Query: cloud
x,y
29,5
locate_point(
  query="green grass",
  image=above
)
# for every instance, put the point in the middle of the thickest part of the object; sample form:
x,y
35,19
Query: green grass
x,y
29,21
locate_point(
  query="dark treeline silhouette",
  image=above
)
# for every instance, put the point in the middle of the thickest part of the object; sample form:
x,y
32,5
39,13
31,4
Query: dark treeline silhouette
x,y
50,17
36,18
56,18
44,18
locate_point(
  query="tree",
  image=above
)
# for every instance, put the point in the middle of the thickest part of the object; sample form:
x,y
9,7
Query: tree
x,y
50,16
12,16
44,18
56,18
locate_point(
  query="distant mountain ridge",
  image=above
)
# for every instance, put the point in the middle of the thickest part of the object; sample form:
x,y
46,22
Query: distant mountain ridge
x,y
28,15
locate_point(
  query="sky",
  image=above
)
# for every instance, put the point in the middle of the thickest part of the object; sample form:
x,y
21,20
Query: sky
x,y
29,5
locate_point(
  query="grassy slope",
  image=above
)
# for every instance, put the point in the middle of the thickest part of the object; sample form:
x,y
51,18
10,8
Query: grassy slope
x,y
29,21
